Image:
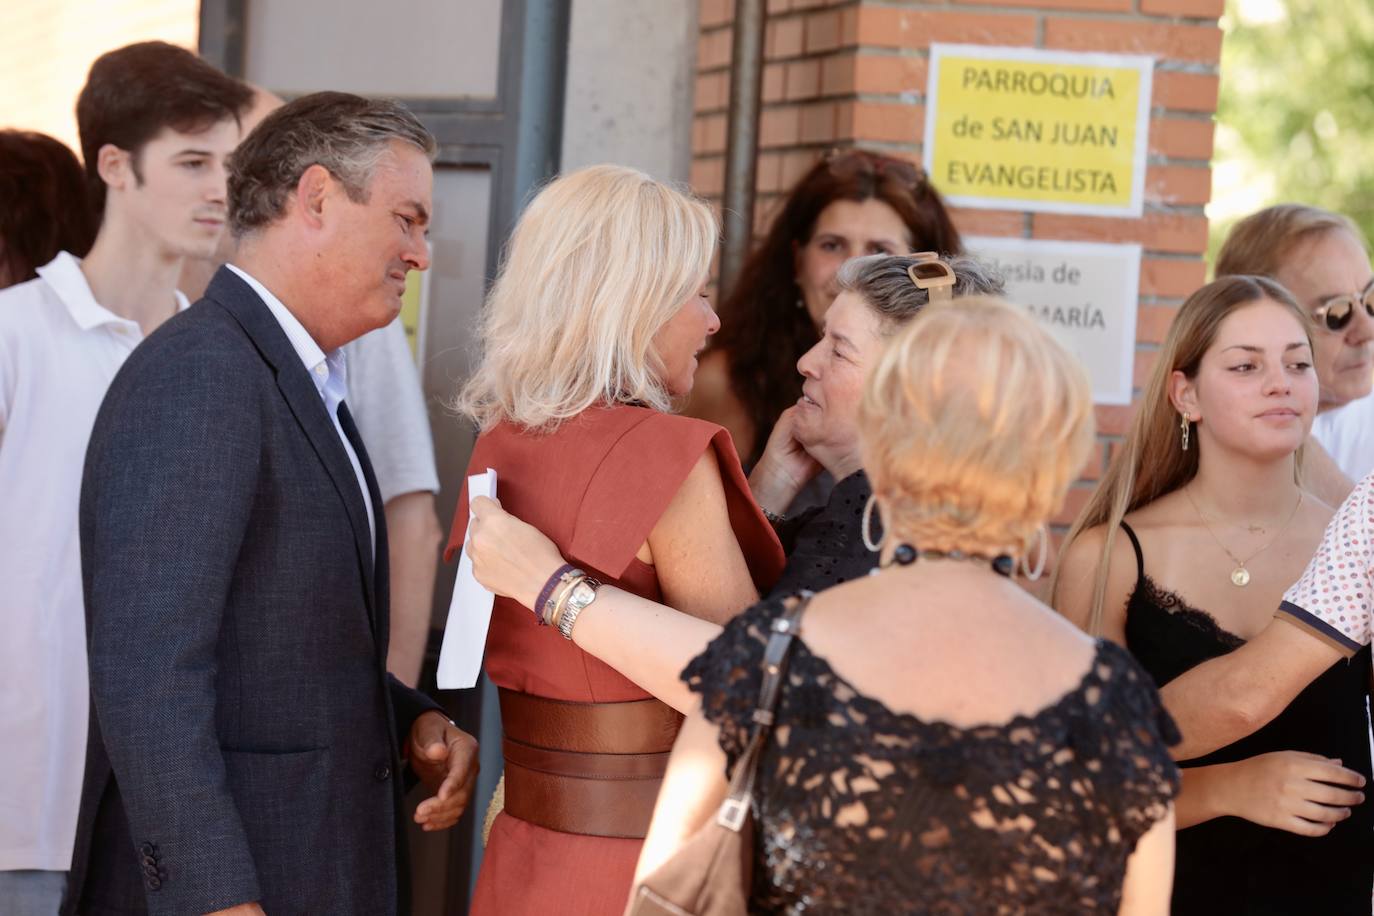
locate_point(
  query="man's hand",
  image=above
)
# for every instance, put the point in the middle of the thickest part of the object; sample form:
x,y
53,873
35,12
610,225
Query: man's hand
x,y
243,909
445,759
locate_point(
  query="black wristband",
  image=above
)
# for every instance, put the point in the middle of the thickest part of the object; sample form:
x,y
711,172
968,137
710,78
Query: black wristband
x,y
547,590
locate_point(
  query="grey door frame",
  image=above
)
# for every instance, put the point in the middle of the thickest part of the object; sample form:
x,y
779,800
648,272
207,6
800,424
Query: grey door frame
x,y
516,135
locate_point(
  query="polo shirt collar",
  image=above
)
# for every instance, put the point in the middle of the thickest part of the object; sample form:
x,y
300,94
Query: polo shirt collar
x,y
63,274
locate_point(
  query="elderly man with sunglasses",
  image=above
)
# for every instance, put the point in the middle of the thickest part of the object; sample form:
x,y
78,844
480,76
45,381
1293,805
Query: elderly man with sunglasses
x,y
1322,259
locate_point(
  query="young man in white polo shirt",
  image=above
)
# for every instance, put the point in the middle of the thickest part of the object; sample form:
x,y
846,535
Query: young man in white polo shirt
x,y
156,124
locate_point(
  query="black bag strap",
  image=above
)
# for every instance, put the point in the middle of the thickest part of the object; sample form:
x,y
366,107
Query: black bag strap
x,y
736,806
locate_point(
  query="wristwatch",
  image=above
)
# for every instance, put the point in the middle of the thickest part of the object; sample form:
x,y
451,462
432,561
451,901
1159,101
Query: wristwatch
x,y
583,594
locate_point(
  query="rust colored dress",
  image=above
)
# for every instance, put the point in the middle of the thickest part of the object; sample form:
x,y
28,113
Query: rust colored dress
x,y
596,486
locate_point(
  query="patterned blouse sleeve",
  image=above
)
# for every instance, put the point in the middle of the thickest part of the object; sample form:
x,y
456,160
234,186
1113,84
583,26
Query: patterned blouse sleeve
x,y
728,675
1137,735
1332,600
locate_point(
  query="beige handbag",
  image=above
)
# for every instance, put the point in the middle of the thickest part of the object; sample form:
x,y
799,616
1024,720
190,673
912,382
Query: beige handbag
x,y
712,873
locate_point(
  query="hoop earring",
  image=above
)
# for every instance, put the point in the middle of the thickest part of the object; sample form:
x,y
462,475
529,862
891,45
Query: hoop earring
x,y
1185,425
1043,542
867,521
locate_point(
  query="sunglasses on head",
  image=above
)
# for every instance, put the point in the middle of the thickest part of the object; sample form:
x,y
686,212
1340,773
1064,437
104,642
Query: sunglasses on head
x,y
856,163
1336,313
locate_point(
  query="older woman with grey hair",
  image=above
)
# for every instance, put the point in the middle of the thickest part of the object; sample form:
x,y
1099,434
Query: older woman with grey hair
x,y
649,642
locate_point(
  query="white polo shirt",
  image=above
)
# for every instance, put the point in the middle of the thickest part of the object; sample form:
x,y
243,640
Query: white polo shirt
x,y
1347,434
59,351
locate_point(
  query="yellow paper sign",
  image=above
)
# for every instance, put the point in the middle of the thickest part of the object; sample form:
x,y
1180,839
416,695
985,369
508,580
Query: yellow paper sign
x,y
1021,129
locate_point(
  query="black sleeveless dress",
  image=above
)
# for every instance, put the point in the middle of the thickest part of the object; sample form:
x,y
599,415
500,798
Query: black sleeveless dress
x,y
1228,864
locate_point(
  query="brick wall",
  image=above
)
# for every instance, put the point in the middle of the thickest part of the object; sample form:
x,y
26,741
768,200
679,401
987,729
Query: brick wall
x,y
853,72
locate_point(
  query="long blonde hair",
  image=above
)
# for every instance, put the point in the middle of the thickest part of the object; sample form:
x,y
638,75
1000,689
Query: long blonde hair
x,y
600,260
973,424
1151,462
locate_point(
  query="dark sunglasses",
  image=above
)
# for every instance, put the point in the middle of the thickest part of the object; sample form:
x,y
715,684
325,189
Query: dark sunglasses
x,y
1336,313
856,163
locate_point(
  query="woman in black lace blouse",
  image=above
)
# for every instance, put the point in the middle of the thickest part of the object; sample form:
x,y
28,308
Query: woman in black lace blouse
x,y
945,743
1184,553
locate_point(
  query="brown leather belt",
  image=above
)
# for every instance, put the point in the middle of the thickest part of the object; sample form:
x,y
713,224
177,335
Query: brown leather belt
x,y
588,768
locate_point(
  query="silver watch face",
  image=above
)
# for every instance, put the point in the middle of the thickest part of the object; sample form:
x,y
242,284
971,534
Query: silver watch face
x,y
582,595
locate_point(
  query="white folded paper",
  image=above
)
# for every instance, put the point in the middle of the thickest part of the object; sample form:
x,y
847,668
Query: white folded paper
x,y
469,613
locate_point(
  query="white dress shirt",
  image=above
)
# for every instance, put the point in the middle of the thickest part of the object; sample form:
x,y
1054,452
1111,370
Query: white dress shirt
x,y
59,351
329,371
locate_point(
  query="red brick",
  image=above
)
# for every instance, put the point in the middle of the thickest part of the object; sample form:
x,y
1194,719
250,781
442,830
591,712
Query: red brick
x,y
1171,232
783,37
774,83
1182,138
795,164
818,122
1113,420
711,92
1171,278
1145,361
1170,42
716,12
1002,223
1185,91
778,6
882,121
713,49
892,27
1192,9
1178,184
1074,501
769,176
1108,6
838,74
707,176
884,74
822,31
712,137
803,80
1152,322
779,126
1096,464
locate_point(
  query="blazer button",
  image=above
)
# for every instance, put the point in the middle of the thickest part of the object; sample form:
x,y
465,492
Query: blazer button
x,y
149,862
147,849
154,884
382,773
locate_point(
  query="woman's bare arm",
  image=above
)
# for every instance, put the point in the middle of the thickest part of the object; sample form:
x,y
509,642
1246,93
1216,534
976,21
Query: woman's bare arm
x,y
693,789
1150,872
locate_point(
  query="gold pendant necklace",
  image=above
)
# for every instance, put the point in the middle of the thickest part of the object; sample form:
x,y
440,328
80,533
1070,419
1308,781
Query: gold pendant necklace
x,y
1240,576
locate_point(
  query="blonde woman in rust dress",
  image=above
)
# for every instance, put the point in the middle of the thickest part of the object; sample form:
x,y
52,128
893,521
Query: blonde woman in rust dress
x,y
590,332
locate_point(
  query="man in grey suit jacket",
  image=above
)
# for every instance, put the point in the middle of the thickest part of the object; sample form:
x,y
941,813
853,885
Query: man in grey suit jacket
x,y
244,751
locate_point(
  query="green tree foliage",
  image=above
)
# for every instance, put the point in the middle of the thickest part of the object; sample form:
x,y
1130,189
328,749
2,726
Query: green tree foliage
x,y
1296,112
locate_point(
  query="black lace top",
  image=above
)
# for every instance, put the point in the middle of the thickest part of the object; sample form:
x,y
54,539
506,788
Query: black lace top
x,y
823,544
1230,865
863,810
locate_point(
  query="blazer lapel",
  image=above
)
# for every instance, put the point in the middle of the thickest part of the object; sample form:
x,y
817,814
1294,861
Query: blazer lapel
x,y
303,398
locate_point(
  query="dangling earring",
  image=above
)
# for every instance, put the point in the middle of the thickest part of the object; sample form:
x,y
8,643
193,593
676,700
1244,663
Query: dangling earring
x,y
1185,425
1043,543
867,521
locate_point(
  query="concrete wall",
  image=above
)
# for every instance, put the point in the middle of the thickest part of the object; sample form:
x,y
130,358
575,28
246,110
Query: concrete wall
x,y
629,91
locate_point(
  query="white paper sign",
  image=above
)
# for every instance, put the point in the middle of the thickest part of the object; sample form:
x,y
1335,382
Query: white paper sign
x,y
469,613
1084,293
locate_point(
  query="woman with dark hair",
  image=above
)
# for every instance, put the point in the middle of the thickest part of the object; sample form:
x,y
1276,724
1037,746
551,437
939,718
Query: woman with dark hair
x,y
851,203
47,206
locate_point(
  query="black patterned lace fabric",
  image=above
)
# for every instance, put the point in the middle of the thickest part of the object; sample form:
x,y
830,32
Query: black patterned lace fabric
x,y
863,810
824,545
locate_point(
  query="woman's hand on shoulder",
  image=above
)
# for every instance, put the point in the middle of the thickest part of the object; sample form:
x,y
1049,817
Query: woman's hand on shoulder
x,y
1077,576
509,557
1295,791
784,468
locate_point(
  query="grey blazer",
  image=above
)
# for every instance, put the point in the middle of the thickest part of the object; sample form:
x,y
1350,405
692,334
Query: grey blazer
x,y
244,731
